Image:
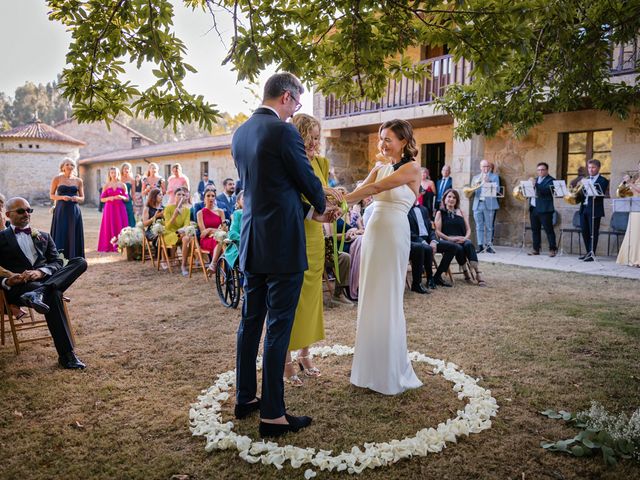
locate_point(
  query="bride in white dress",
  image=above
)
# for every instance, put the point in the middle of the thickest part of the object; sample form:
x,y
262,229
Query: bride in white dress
x,y
381,362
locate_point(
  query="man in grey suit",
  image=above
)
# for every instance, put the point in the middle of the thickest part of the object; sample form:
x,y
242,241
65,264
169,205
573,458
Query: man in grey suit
x,y
484,208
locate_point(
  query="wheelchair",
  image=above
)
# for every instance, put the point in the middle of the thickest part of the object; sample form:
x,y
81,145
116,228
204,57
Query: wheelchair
x,y
229,280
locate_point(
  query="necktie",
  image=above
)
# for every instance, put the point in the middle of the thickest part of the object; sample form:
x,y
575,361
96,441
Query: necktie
x,y
443,182
23,230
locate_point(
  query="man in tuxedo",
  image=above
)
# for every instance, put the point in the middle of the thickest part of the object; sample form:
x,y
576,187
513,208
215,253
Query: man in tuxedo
x,y
484,208
444,184
423,246
227,199
541,211
592,208
42,279
275,172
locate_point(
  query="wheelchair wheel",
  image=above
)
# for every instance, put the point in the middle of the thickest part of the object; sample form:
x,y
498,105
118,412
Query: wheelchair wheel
x,y
227,283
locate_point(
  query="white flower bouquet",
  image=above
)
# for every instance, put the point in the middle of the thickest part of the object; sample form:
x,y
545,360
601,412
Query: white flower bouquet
x,y
189,230
128,237
157,228
220,235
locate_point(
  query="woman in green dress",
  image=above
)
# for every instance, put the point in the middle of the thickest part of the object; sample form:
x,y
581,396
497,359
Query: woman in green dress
x,y
308,325
177,216
129,182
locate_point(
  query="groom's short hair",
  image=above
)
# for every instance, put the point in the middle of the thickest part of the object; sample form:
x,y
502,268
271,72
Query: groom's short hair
x,y
280,83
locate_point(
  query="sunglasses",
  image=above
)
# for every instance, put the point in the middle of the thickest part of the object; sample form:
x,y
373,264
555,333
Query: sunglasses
x,y
21,211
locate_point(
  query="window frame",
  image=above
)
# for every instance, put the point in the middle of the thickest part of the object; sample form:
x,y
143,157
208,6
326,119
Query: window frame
x,y
564,150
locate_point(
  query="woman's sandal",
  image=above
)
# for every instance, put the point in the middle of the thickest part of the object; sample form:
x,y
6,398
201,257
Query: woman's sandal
x,y
294,380
308,371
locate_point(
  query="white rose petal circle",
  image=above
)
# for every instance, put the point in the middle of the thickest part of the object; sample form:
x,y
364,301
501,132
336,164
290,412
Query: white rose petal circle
x,y
206,420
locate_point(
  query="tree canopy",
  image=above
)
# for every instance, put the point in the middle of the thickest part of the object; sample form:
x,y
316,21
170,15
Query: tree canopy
x,y
529,56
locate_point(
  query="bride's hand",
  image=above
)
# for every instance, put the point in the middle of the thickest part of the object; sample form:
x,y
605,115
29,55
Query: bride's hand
x,y
333,195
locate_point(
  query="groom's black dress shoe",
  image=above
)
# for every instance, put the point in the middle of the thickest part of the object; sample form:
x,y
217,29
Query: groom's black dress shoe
x,y
419,288
245,409
34,300
441,282
69,360
432,283
275,430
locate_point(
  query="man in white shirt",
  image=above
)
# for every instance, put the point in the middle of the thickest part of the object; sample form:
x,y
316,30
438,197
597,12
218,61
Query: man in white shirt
x,y
42,278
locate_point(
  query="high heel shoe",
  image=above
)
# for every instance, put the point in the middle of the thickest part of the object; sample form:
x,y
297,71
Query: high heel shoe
x,y
294,380
309,371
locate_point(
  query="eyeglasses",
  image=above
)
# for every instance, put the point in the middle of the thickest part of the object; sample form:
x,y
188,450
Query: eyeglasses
x,y
21,211
298,104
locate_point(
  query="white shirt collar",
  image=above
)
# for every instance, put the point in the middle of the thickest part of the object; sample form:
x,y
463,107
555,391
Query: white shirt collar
x,y
270,108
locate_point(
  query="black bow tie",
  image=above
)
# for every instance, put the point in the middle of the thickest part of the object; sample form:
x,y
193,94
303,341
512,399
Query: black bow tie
x,y
23,230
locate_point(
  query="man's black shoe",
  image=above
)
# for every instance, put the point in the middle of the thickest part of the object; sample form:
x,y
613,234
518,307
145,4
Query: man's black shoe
x,y
589,259
69,360
244,410
582,257
480,249
432,283
441,282
34,300
490,249
419,288
275,430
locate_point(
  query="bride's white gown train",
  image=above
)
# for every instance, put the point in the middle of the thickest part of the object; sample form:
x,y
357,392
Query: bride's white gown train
x,y
380,360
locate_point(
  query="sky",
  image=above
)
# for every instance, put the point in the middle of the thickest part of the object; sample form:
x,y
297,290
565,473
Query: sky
x,y
34,49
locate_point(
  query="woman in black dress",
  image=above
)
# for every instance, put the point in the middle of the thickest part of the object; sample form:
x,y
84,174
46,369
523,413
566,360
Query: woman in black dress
x,y
452,226
67,190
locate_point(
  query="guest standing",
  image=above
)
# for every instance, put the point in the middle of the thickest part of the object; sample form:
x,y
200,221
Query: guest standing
x,y
444,184
592,211
128,181
541,211
67,231
175,181
114,215
484,208
138,203
203,184
427,192
176,218
151,180
209,219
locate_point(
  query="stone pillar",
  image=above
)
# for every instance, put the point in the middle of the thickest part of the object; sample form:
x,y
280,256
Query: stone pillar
x,y
347,153
467,155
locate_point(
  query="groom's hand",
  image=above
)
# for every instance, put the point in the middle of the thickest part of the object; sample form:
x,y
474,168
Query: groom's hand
x,y
334,197
330,214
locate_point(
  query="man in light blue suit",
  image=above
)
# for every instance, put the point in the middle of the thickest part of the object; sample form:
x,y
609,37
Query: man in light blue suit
x,y
484,208
444,184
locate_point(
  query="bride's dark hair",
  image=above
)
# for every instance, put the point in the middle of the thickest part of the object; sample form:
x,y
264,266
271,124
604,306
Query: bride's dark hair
x,y
403,131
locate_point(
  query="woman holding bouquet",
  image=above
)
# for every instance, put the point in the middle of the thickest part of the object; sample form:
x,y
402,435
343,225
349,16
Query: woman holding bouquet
x,y
176,219
152,212
209,219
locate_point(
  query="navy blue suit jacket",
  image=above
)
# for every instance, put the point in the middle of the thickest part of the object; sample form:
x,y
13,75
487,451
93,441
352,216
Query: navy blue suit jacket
x,y
227,206
447,186
274,170
598,202
544,195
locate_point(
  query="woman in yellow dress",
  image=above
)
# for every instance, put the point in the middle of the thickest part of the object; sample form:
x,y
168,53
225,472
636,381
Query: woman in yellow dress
x,y
308,325
176,218
629,253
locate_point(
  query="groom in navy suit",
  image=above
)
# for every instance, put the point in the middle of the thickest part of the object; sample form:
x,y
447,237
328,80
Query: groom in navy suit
x,y
275,172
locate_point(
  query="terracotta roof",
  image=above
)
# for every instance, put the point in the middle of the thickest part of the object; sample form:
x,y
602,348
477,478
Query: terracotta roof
x,y
218,142
37,130
127,127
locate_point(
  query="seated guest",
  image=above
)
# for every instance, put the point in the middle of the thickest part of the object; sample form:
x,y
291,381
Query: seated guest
x,y
355,217
344,270
227,200
196,207
151,213
209,220
42,278
176,218
423,246
427,195
452,226
18,312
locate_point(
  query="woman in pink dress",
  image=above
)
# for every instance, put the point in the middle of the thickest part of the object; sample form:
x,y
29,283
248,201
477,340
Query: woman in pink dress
x,y
175,181
114,213
209,219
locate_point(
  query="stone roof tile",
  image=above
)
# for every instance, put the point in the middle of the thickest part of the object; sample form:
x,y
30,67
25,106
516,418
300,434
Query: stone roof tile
x,y
37,130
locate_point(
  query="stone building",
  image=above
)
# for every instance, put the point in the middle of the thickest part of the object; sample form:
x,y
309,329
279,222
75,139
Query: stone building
x,y
209,154
563,140
101,139
30,156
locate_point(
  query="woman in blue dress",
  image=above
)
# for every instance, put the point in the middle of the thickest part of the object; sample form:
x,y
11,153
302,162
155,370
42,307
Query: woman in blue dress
x,y
67,190
129,182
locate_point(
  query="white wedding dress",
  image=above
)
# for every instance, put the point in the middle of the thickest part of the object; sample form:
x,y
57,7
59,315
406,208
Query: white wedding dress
x,y
380,360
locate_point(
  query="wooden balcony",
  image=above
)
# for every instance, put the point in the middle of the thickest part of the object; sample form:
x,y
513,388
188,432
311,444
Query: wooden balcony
x,y
405,93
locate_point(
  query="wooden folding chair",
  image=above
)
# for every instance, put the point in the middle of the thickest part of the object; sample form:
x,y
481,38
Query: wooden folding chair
x,y
163,254
435,265
17,326
450,274
195,249
147,253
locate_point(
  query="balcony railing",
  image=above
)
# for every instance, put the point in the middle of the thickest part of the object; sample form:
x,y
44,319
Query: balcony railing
x,y
405,92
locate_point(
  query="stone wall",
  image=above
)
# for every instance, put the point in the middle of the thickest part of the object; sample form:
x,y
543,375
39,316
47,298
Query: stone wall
x,y
99,138
348,153
27,172
220,162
